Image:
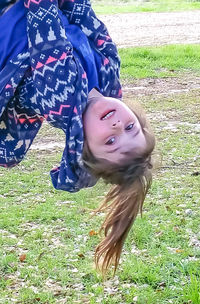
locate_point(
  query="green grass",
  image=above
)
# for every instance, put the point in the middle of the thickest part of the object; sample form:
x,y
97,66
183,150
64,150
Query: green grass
x,y
46,250
170,60
161,258
131,6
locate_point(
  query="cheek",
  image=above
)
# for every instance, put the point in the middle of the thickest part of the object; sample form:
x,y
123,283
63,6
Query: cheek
x,y
96,138
91,131
88,124
142,141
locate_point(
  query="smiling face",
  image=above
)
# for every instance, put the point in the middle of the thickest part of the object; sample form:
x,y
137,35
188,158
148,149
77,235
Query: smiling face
x,y
112,130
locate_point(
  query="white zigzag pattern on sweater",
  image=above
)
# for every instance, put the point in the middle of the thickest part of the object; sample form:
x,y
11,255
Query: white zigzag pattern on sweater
x,y
42,13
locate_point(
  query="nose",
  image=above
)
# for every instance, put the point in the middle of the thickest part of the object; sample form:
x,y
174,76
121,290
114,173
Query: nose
x,y
117,125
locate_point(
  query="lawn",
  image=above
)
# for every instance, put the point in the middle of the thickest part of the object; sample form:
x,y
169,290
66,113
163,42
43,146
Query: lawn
x,y
48,237
168,60
133,6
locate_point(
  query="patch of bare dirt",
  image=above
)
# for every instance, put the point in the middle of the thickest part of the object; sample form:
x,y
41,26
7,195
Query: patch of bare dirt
x,y
153,29
47,145
162,86
149,29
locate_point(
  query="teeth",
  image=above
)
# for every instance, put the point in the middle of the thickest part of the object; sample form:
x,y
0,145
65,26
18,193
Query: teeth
x,y
108,115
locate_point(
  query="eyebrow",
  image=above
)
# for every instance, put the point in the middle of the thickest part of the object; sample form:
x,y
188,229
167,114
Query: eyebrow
x,y
138,131
126,152
112,151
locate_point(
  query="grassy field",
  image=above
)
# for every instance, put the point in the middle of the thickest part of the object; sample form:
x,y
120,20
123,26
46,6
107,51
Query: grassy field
x,y
162,61
132,6
48,237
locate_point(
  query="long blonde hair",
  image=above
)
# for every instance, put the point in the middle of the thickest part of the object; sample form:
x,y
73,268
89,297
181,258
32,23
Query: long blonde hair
x,y
131,180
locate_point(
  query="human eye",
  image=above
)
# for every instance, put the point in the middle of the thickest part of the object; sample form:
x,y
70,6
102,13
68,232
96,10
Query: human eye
x,y
129,127
110,141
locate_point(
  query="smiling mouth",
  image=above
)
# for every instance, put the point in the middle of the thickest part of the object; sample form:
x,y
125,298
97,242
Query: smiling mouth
x,y
107,115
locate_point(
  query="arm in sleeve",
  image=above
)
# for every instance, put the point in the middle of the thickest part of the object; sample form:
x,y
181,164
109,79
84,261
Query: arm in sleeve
x,y
56,74
60,85
80,13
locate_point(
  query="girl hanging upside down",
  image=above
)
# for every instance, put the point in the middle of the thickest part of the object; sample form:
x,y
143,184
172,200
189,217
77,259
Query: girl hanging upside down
x,y
58,63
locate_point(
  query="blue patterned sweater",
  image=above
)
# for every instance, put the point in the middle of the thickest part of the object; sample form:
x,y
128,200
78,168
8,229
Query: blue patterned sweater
x,y
48,80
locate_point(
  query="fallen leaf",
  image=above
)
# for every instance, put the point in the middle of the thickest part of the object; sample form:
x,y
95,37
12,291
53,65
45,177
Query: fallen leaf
x,y
162,284
176,228
81,255
22,257
179,250
92,233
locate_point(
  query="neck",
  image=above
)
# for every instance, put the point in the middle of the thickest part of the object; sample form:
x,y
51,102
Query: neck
x,y
94,93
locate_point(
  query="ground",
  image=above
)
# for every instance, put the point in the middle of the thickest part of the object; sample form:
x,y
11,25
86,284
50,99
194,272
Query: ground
x,y
151,29
147,29
47,246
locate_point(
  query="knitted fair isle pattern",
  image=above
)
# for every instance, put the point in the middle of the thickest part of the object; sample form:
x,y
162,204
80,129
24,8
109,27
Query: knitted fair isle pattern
x,y
49,83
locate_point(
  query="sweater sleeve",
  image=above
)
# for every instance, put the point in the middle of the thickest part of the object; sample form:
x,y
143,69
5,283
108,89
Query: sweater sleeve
x,y
47,82
56,74
61,88
80,12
